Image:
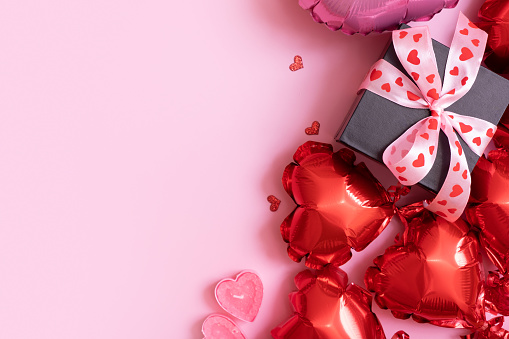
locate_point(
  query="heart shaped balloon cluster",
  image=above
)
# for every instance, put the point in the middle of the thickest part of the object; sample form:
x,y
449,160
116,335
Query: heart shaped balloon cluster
x,y
433,273
488,211
339,206
494,16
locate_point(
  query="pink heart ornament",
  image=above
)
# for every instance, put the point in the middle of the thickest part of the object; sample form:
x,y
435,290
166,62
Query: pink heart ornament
x,y
220,327
241,297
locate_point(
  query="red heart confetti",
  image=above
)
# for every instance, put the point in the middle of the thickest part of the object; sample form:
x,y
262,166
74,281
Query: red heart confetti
x,y
297,63
274,203
314,129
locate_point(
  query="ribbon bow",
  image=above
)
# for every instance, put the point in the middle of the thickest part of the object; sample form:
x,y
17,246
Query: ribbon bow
x,y
412,155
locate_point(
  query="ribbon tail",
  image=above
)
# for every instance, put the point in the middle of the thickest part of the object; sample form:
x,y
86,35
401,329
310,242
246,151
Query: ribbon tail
x,y
465,56
453,196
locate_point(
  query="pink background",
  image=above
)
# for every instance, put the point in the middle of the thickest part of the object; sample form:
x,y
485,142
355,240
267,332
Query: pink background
x,y
139,141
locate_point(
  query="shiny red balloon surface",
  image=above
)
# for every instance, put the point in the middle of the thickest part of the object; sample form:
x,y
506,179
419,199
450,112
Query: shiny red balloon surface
x,y
496,293
327,307
495,21
433,274
489,207
340,205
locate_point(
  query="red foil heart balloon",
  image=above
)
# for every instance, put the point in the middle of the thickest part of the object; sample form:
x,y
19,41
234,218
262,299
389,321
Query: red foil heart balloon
x,y
489,206
433,274
326,306
501,137
495,21
340,205
496,293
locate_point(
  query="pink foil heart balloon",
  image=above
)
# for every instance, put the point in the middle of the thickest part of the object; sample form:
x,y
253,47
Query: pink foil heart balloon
x,y
220,327
364,16
241,297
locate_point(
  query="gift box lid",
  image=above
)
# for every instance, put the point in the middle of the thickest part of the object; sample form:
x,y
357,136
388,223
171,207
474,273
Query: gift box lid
x,y
376,122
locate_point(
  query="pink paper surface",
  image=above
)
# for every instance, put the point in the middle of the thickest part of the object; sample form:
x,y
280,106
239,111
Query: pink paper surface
x,y
139,141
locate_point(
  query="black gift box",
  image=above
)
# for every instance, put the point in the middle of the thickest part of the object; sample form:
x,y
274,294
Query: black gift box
x,y
376,122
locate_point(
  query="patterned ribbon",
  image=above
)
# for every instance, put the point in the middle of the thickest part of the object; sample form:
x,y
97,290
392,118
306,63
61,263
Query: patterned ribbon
x,y
412,155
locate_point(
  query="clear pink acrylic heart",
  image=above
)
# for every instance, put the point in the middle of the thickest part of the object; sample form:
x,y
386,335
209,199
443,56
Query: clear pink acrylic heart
x,y
241,297
220,327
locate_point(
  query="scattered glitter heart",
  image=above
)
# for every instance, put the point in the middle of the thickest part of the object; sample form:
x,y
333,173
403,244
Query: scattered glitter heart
x,y
274,203
314,129
297,63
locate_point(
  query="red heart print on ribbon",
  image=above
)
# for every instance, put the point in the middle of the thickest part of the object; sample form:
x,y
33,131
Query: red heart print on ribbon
x,y
417,155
